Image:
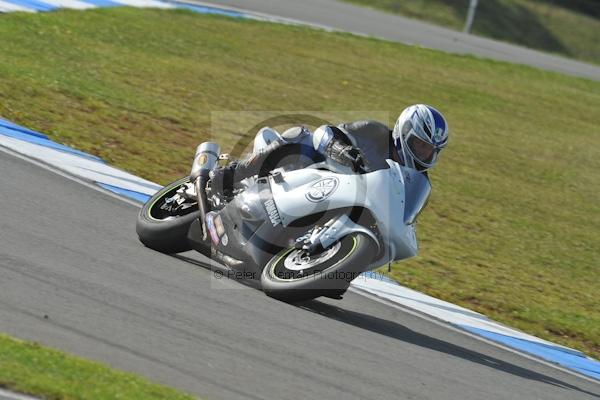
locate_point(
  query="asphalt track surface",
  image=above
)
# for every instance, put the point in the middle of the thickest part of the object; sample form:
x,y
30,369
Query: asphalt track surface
x,y
347,17
74,276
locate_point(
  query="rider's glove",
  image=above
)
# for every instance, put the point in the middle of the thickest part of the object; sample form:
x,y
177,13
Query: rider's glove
x,y
347,155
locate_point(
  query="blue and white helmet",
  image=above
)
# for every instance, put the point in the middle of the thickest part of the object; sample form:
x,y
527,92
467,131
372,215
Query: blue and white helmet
x,y
420,134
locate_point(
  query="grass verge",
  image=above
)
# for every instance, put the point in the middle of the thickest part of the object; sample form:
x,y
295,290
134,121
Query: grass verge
x,y
512,227
27,367
565,27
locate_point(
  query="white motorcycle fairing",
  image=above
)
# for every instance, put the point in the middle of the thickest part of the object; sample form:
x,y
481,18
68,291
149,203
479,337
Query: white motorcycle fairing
x,y
383,193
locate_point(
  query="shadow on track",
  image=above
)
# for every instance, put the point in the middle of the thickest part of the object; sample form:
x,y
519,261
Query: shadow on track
x,y
399,332
214,266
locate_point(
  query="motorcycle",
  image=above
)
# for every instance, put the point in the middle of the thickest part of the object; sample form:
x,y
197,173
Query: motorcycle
x,y
304,232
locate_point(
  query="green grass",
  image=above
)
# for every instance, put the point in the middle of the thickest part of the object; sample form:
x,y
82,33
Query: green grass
x,y
27,367
565,27
512,226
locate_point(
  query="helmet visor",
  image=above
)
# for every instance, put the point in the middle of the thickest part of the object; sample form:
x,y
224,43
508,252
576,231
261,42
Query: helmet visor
x,y
424,152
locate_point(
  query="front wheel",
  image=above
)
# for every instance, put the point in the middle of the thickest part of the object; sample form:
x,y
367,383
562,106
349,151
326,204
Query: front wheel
x,y
165,219
294,275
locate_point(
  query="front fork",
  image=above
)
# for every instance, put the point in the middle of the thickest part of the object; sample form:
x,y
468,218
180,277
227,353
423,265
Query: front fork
x,y
332,231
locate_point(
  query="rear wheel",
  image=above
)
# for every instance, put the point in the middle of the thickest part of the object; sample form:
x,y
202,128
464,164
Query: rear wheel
x,y
294,275
164,220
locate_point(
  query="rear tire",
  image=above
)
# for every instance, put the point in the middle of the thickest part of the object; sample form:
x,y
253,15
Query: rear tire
x,y
330,272
165,235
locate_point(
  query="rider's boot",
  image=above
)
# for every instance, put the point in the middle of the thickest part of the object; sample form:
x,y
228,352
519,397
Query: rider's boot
x,y
258,163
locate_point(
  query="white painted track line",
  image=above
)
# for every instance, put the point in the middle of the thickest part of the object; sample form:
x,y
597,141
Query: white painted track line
x,y
7,395
145,3
10,7
75,4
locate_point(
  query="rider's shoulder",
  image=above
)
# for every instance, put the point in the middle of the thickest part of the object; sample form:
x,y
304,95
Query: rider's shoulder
x,y
370,127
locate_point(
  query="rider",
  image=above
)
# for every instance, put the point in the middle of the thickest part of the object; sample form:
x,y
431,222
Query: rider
x,y
420,134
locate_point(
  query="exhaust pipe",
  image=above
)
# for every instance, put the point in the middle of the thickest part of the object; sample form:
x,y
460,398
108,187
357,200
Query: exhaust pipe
x,y
206,158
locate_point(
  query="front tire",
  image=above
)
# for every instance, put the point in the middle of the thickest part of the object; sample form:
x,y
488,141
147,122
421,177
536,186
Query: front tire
x,y
291,276
163,231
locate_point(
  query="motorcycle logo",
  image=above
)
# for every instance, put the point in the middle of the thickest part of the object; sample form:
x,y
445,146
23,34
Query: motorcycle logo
x,y
210,224
322,189
272,212
219,225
